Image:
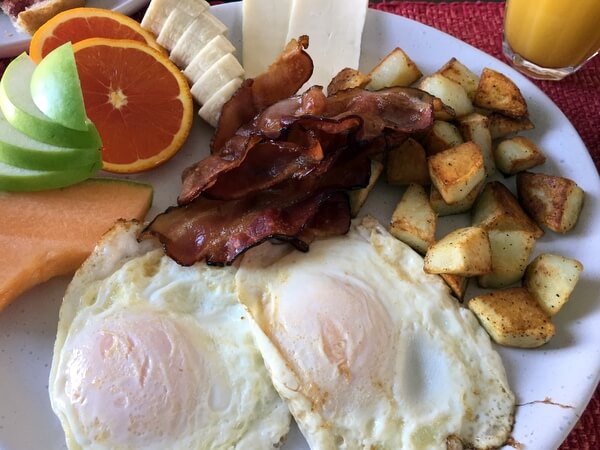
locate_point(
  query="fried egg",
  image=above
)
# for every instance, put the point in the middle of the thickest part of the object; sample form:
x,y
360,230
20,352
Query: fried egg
x,y
153,355
369,351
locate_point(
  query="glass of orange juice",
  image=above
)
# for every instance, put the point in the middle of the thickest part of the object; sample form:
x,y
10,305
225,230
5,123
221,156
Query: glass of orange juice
x,y
550,39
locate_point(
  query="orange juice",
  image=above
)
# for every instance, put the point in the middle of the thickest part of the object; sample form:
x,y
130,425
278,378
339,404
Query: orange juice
x,y
553,33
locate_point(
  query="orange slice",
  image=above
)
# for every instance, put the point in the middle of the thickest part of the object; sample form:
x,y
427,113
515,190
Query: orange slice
x,y
82,23
138,99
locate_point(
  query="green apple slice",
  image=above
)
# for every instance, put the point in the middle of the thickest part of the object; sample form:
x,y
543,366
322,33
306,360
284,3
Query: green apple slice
x,y
17,179
22,113
20,150
56,90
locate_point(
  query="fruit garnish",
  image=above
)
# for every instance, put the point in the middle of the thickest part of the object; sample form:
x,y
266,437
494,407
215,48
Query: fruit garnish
x,y
77,24
138,99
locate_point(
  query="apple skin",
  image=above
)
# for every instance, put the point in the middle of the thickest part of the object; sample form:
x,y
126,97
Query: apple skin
x,y
56,90
18,149
21,112
18,179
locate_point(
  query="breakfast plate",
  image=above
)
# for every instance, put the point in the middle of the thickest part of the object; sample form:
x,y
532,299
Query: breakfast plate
x,y
553,384
13,41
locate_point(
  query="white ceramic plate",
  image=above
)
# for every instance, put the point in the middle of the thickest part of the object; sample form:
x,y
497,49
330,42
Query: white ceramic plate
x,y
565,371
13,41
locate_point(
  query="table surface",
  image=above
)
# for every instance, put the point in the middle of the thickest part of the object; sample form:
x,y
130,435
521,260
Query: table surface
x,y
578,96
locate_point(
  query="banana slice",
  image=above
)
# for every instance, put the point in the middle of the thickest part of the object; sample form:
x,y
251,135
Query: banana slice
x,y
173,28
218,47
197,35
158,11
211,110
220,73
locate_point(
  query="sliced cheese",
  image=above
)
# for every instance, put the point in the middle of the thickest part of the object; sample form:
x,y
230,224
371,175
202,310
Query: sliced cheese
x,y
334,28
219,74
264,30
218,47
211,110
196,37
158,11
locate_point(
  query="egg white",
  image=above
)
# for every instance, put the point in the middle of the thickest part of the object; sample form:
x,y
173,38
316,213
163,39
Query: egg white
x,y
369,351
153,355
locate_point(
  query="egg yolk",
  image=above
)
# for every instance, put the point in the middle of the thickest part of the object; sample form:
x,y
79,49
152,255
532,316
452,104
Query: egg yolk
x,y
336,333
132,380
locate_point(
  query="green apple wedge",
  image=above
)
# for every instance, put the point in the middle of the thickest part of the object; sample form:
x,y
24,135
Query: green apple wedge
x,y
18,149
17,179
21,112
56,90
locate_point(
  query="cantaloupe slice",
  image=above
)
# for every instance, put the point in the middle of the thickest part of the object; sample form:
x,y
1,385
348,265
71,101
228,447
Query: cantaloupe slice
x,y
50,233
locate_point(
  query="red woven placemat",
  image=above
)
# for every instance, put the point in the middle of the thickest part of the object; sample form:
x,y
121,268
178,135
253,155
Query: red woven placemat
x,y
578,96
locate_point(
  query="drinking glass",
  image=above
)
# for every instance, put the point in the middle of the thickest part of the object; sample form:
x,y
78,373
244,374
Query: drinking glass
x,y
550,39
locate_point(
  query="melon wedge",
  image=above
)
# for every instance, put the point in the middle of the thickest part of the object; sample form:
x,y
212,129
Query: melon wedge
x,y
50,233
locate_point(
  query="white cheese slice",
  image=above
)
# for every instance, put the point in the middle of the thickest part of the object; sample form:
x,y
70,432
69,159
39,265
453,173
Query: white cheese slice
x,y
334,28
173,28
211,110
218,47
264,30
158,11
196,37
220,73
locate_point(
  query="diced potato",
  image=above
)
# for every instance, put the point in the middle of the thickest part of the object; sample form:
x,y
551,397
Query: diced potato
x,y
407,164
359,197
550,279
459,73
513,317
510,253
458,285
464,251
501,126
449,92
441,111
347,79
551,200
498,92
455,172
517,154
442,136
413,220
396,69
498,209
447,209
474,127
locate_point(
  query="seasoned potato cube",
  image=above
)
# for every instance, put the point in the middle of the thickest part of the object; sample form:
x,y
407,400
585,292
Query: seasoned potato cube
x,y
510,253
458,285
474,127
396,69
441,111
498,209
517,154
551,200
407,164
442,136
447,209
498,92
413,220
550,279
449,92
359,197
459,73
513,317
464,251
455,172
501,126
347,79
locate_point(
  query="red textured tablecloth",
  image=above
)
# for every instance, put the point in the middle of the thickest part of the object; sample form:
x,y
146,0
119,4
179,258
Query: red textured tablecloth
x,y
578,96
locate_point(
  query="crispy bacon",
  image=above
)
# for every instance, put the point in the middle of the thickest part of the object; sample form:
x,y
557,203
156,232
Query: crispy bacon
x,y
219,232
282,79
